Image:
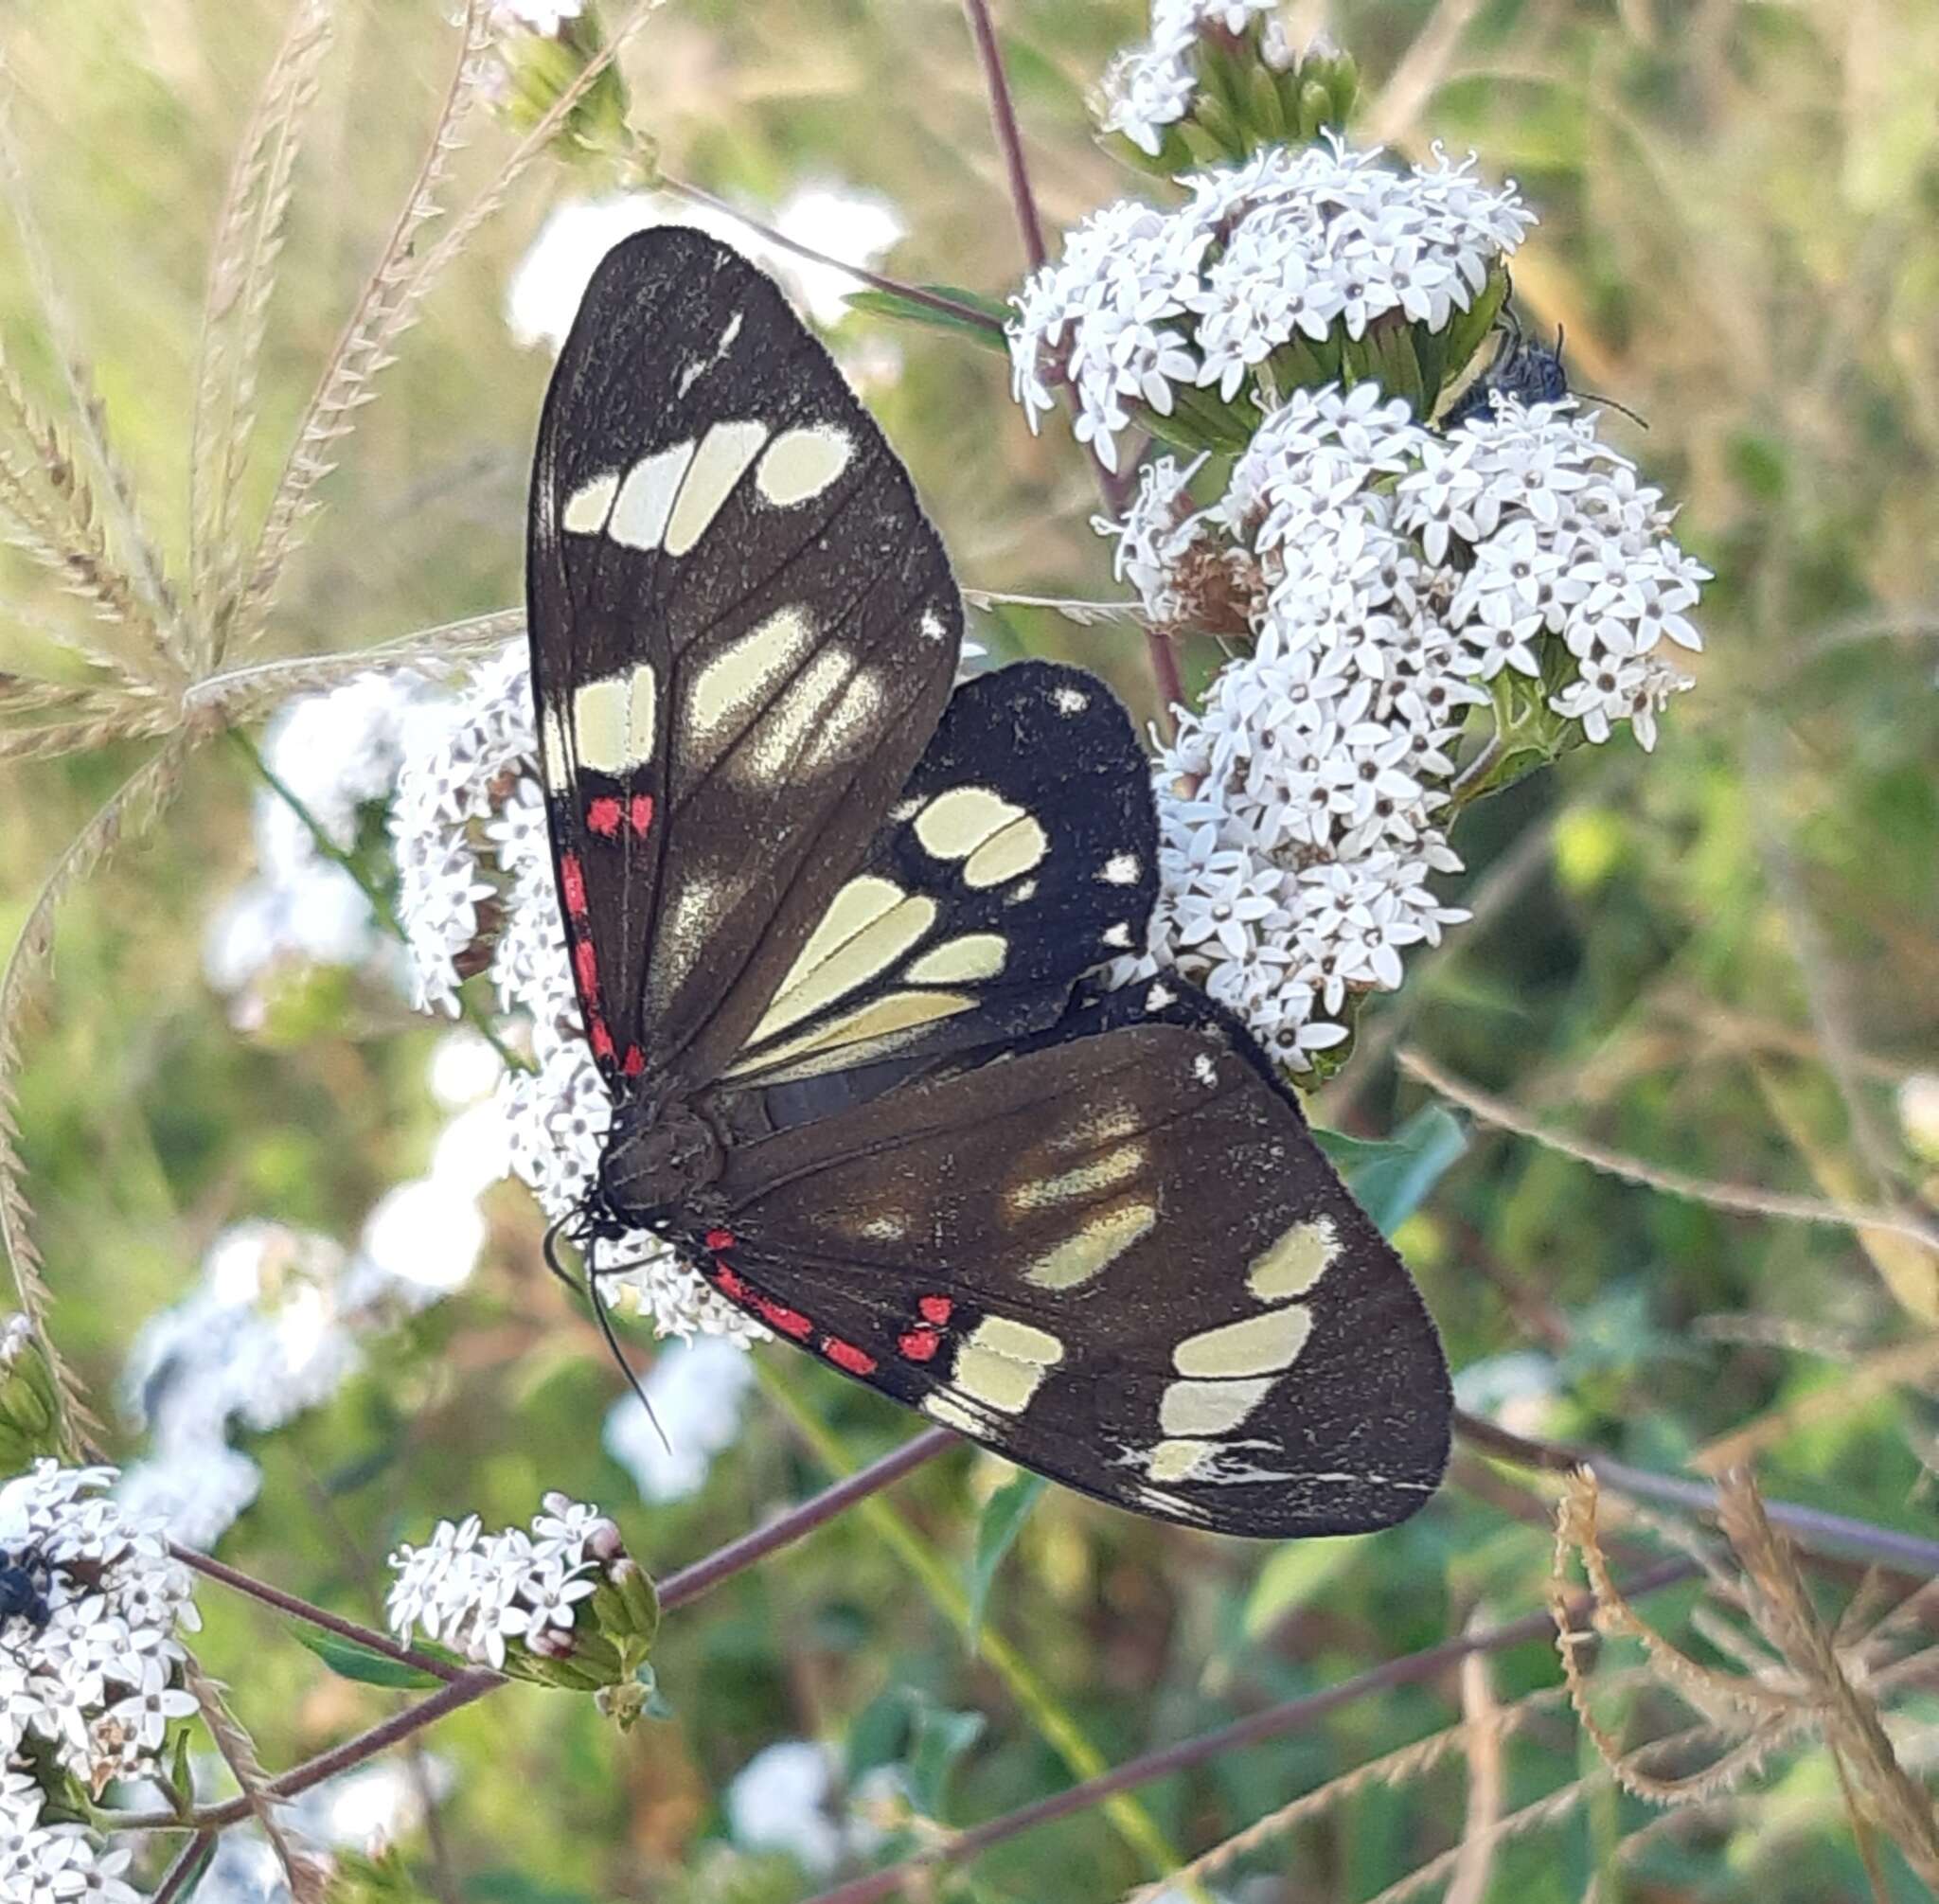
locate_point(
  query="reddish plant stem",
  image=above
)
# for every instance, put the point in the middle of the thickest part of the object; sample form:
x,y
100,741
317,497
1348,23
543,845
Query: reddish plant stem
x,y
187,1866
1114,486
1810,1527
1273,1723
690,1583
915,294
1002,116
314,1615
461,1687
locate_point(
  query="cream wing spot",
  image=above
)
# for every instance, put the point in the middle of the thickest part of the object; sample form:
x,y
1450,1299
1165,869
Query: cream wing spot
x,y
1262,1345
586,511
860,958
646,498
1121,869
786,737
1203,1408
1003,1362
1180,1460
1004,855
598,722
747,670
887,1019
641,698
553,756
799,464
943,1407
1091,1250
1293,1265
956,823
718,465
954,962
1085,1180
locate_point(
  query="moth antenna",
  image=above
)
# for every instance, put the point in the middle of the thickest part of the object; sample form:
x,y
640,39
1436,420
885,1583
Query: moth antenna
x,y
606,1329
550,1248
1595,397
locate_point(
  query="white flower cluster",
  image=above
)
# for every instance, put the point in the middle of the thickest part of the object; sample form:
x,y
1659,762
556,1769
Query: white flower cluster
x,y
275,1330
336,752
88,1675
1149,87
1146,306
474,1592
1382,574
469,826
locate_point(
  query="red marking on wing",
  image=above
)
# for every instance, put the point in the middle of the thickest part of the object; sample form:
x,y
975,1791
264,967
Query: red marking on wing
x,y
920,1345
602,816
730,1284
641,814
585,965
936,1310
789,1322
571,879
846,1355
635,1062
602,1040
719,1239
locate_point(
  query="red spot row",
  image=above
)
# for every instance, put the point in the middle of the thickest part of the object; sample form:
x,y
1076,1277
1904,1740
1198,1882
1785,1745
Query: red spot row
x,y
777,1316
635,1062
720,1239
846,1355
918,1345
585,967
934,1310
921,1342
605,811
571,879
601,1039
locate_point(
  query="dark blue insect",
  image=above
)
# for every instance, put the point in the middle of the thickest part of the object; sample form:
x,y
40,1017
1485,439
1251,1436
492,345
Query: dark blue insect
x,y
1524,367
26,1573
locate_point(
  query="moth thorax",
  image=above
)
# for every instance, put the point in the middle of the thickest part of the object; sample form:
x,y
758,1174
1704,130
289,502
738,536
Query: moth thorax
x,y
657,1160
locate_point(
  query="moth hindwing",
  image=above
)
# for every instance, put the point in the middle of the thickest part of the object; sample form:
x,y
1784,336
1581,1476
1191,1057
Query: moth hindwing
x,y
831,929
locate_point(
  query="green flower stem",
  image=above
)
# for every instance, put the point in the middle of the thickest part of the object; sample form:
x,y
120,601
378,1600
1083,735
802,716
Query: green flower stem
x,y
380,901
1133,1822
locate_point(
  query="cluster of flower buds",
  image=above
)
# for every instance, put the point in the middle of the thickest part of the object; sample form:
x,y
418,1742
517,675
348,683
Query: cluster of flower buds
x,y
562,1604
1217,79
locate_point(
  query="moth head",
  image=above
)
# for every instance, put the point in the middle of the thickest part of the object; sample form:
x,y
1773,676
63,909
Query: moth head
x,y
658,1157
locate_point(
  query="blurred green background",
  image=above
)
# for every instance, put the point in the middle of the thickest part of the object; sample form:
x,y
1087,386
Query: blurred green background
x,y
1723,957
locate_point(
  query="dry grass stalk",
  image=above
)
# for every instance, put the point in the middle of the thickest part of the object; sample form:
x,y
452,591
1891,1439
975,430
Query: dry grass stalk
x,y
382,311
132,807
1487,1783
241,275
307,1875
141,561
1744,1198
1802,1681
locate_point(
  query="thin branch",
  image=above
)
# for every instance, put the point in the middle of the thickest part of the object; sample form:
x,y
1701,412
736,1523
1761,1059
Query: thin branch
x,y
690,1582
187,1870
314,1615
1003,115
915,294
1114,487
1744,1198
1277,1721
1810,1527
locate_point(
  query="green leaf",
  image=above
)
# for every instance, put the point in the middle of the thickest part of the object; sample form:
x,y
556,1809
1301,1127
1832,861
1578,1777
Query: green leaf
x,y
996,1534
1294,1572
350,1661
985,326
1391,1179
939,1739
